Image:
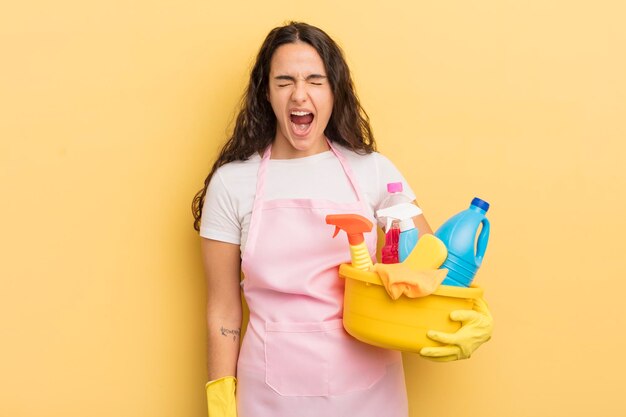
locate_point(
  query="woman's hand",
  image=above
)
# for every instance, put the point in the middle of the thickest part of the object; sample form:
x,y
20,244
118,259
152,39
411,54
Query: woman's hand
x,y
476,330
220,395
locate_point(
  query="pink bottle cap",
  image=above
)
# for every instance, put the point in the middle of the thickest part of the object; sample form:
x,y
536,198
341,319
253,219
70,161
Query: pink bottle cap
x,y
394,187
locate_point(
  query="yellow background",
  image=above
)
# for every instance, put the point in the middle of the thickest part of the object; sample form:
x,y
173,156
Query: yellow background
x,y
111,113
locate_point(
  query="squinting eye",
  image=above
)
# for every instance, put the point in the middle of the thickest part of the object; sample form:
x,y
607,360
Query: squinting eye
x,y
317,83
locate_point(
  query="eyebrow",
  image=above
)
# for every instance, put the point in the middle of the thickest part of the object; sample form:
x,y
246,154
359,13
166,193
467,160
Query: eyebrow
x,y
308,78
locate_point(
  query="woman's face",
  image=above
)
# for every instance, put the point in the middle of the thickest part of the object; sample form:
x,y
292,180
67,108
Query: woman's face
x,y
302,101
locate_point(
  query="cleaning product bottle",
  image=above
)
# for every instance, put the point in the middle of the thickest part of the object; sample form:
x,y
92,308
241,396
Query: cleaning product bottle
x,y
354,225
404,213
389,252
465,250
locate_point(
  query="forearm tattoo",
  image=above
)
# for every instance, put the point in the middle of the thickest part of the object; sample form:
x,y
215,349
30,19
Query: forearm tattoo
x,y
227,332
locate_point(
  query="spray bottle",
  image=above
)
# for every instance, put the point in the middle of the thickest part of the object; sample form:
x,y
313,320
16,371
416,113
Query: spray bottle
x,y
354,225
389,251
408,233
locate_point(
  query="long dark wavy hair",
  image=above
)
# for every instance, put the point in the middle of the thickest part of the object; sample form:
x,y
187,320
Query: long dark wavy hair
x,y
255,126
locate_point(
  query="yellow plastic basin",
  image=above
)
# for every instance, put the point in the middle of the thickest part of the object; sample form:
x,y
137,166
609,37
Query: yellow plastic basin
x,y
371,316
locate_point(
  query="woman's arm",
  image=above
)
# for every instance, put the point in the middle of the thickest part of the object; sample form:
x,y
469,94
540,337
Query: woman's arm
x,y
222,266
421,224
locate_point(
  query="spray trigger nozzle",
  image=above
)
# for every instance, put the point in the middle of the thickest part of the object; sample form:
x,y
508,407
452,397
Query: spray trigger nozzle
x,y
353,224
403,212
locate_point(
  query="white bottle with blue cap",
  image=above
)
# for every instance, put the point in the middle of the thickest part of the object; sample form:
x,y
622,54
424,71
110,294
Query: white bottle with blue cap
x,y
465,249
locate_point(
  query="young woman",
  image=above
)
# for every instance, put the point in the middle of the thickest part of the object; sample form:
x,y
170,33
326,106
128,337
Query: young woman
x,y
301,148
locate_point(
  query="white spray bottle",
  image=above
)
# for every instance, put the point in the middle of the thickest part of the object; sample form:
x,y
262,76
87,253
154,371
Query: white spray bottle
x,y
404,213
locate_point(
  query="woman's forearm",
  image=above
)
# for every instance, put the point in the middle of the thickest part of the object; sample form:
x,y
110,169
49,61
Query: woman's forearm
x,y
224,334
222,266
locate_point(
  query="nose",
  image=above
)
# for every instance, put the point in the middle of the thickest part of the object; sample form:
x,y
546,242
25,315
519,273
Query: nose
x,y
299,93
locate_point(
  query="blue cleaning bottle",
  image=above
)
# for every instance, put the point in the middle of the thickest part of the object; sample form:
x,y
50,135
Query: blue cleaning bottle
x,y
465,250
404,213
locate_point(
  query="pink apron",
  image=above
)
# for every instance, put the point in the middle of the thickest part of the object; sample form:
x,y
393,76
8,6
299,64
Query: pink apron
x,y
296,359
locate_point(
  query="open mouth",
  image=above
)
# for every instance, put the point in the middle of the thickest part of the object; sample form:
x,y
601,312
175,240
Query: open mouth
x,y
301,121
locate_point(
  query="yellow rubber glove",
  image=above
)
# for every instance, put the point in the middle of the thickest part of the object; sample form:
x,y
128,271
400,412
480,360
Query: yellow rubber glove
x,y
220,395
476,330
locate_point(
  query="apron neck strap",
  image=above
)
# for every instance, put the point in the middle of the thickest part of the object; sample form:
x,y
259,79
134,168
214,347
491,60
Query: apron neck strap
x,y
349,173
262,174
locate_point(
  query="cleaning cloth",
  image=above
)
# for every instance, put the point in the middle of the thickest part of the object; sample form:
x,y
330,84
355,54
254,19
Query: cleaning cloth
x,y
400,279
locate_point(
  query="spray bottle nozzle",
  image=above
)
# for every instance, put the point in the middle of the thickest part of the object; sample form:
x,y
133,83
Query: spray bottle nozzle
x,y
402,212
354,225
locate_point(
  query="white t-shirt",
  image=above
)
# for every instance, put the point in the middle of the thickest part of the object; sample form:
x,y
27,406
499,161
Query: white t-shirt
x,y
230,196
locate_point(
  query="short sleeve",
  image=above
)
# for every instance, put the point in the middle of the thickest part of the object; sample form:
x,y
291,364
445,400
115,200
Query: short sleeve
x,y
219,214
387,172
